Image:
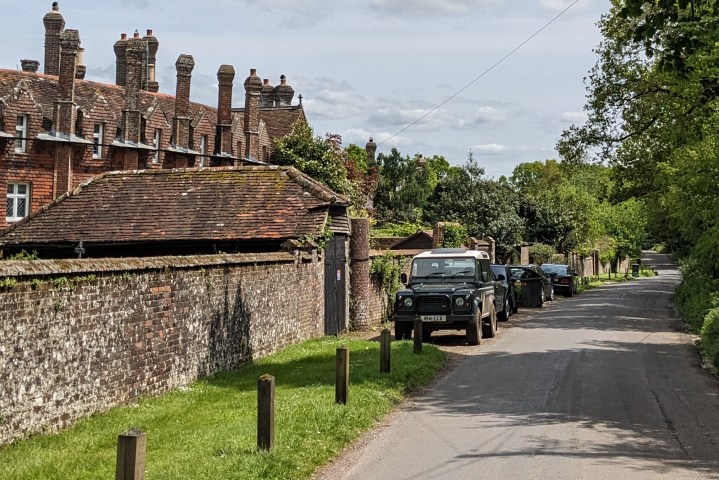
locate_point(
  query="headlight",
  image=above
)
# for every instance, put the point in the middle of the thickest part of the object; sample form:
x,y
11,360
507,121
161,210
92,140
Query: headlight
x,y
408,302
459,301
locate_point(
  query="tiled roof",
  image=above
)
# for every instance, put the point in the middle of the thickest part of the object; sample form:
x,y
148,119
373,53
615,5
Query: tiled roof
x,y
279,121
214,204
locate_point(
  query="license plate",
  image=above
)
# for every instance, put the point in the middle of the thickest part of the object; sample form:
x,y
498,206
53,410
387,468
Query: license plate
x,y
434,318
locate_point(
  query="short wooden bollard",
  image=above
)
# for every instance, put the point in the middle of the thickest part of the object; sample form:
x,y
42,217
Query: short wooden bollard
x,y
343,375
131,455
418,336
266,412
385,351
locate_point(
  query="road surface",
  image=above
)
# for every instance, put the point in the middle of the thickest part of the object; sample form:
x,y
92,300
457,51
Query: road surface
x,y
599,386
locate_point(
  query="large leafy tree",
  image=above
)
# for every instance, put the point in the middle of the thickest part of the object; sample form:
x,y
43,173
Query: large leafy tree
x,y
559,202
405,185
486,207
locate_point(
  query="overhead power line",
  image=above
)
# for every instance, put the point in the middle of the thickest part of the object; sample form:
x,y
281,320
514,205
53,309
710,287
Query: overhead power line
x,y
496,64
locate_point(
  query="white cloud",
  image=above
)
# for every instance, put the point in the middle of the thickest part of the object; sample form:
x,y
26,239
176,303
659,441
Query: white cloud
x,y
489,149
426,8
557,6
573,117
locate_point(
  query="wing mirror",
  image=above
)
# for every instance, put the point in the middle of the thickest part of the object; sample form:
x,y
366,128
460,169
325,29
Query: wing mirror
x,y
501,277
485,276
403,278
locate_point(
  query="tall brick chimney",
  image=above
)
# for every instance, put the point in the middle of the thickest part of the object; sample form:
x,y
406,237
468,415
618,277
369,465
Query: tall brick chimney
x,y
253,87
152,46
134,55
371,149
225,77
267,94
54,24
120,68
284,93
181,121
64,111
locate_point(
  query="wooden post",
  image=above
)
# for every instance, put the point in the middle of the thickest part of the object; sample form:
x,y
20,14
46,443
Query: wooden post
x,y
131,455
418,336
385,351
343,375
266,412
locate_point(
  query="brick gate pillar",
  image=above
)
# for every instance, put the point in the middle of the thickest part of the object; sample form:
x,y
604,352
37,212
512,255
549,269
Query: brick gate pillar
x,y
359,274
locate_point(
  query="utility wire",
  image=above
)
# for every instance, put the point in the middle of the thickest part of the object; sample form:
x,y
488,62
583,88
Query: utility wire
x,y
496,64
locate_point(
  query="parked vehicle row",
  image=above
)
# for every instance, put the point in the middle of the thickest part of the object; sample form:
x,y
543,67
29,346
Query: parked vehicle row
x,y
458,289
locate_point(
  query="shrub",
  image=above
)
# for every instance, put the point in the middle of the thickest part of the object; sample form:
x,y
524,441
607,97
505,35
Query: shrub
x,y
540,253
710,336
696,295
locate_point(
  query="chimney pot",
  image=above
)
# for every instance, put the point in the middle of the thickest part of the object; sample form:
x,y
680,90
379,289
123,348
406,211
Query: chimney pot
x,y
149,32
253,71
55,7
123,36
30,65
136,34
265,81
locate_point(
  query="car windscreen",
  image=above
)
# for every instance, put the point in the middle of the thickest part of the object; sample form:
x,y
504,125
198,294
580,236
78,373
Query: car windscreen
x,y
460,268
499,270
558,269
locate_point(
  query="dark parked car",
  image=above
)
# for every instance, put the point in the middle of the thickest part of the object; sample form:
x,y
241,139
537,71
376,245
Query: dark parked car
x,y
506,298
563,277
527,275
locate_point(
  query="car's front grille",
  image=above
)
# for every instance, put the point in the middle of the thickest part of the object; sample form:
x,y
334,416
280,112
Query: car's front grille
x,y
439,304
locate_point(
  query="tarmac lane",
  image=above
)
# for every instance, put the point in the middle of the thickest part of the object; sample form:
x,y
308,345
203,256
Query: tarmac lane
x,y
598,386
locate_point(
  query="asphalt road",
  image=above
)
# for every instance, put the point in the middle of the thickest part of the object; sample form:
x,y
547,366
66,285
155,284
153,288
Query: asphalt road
x,y
599,386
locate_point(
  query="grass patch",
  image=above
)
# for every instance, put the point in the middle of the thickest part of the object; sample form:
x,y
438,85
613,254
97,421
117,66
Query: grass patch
x,y
208,431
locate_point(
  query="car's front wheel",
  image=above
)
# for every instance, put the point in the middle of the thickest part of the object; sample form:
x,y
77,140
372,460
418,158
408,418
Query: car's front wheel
x,y
474,331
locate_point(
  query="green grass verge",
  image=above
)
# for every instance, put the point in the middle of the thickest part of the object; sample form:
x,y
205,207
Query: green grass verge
x,y
208,431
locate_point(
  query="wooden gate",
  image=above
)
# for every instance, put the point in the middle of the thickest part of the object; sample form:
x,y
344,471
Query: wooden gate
x,y
335,282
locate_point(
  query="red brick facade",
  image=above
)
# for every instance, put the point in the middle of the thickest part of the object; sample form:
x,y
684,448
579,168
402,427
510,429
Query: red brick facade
x,y
65,114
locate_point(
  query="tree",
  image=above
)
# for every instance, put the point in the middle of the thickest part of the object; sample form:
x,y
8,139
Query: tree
x,y
486,207
405,185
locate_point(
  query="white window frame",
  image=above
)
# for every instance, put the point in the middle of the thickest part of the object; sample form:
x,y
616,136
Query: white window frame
x,y
157,144
203,149
98,134
13,198
21,124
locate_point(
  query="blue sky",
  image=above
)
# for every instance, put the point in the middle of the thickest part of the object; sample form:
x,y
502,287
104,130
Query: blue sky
x,y
364,67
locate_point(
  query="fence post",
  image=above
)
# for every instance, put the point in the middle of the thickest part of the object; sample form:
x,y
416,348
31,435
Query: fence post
x,y
343,375
131,455
417,335
266,412
385,351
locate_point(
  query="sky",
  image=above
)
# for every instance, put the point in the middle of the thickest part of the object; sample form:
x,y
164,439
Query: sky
x,y
365,68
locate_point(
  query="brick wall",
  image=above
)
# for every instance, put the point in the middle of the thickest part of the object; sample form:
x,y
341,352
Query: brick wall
x,y
82,336
378,304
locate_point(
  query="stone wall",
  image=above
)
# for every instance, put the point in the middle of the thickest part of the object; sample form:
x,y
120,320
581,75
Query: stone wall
x,y
82,336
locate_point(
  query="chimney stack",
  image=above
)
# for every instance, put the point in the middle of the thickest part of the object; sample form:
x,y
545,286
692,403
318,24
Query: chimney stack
x,y
181,121
253,87
80,68
152,46
31,66
267,94
371,149
134,54
284,93
64,111
120,65
225,77
54,24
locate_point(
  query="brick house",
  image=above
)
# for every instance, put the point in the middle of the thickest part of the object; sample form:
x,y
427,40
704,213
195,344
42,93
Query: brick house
x,y
57,130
